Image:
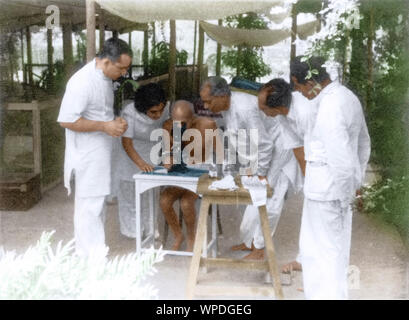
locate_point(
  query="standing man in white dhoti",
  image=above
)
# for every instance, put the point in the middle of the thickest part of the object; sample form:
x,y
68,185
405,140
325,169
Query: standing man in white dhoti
x,y
87,115
284,174
337,155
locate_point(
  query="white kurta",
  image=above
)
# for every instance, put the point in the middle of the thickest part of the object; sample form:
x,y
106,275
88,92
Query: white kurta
x,y
337,157
139,130
284,174
244,114
89,94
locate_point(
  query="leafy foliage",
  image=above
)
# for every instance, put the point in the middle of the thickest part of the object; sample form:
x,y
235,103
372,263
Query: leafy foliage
x,y
159,59
247,61
44,273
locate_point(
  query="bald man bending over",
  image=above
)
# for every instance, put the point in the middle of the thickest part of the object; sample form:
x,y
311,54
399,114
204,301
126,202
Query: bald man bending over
x,y
183,111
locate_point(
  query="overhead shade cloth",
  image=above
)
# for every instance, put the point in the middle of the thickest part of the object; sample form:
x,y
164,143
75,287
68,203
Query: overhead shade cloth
x,y
255,37
162,10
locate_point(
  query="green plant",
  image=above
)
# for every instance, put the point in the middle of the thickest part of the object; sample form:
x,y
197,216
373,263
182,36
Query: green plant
x,y
46,273
246,60
159,59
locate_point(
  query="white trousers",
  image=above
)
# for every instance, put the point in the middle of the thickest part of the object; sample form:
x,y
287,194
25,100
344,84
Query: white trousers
x,y
127,212
89,220
250,227
325,242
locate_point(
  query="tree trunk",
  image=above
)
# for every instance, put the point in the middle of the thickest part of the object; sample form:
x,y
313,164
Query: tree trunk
x,y
145,53
30,64
194,88
67,49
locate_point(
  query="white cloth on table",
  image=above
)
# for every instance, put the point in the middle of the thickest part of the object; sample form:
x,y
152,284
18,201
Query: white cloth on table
x,y
139,130
339,150
243,113
257,189
89,220
227,183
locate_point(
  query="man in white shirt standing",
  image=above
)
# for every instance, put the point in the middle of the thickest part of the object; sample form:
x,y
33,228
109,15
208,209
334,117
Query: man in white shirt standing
x,y
87,115
337,154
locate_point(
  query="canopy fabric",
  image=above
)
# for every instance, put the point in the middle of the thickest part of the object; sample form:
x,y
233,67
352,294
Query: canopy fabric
x,y
163,10
255,37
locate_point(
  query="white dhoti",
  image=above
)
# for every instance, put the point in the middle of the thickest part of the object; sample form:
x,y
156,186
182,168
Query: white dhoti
x,y
250,228
89,220
325,242
127,212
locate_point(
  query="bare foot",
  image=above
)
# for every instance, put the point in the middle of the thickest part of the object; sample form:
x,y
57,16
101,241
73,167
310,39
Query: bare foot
x,y
240,247
292,266
177,243
255,254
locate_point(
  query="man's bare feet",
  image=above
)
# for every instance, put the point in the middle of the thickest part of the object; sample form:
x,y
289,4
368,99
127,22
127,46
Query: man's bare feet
x,y
240,247
255,254
292,266
177,243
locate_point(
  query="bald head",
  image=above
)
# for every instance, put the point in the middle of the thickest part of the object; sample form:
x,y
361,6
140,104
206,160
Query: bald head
x,y
182,110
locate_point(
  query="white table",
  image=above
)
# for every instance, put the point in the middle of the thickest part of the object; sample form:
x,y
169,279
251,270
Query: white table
x,y
144,182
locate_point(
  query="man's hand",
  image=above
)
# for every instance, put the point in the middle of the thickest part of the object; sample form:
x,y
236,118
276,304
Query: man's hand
x,y
145,167
262,177
115,128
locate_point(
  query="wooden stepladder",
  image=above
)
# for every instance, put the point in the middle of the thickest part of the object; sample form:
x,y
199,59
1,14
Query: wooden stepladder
x,y
239,196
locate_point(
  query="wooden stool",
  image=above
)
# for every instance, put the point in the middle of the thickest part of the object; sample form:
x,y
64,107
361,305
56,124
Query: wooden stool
x,y
240,196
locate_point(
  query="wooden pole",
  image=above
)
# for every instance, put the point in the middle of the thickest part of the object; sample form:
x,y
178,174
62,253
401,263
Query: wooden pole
x,y
50,52
194,88
293,52
29,57
219,54
67,48
30,62
130,46
200,58
90,19
101,30
153,39
145,53
22,57
172,61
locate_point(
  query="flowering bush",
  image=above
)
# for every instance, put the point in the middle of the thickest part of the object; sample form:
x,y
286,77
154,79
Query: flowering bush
x,y
44,273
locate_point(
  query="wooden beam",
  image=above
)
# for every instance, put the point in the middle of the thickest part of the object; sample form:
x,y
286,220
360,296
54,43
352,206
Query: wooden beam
x,y
293,52
101,30
67,48
29,57
50,52
145,53
219,54
90,19
36,139
200,58
172,62
22,56
194,88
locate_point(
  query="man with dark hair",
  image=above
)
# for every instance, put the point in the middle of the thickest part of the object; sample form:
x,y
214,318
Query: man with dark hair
x,y
87,115
284,173
337,154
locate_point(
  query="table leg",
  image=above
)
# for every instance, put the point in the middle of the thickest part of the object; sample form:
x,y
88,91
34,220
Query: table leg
x,y
151,216
138,221
197,248
271,259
